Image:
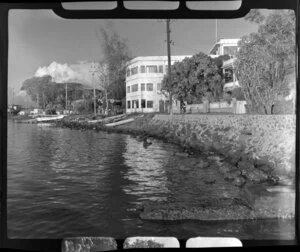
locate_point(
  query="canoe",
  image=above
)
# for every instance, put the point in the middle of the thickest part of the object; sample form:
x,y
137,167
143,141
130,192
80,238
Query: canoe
x,y
50,118
107,119
119,123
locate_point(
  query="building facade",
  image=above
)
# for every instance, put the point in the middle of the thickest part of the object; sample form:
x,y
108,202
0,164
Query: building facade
x,y
227,47
144,77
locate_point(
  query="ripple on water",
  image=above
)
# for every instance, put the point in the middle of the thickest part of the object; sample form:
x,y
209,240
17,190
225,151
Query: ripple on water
x,y
65,183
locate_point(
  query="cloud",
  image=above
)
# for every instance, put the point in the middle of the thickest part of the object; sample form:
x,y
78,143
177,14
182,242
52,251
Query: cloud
x,y
22,93
61,73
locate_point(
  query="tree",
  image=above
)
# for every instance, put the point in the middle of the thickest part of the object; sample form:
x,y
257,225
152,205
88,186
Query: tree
x,y
103,76
193,78
254,16
48,94
263,60
116,55
37,89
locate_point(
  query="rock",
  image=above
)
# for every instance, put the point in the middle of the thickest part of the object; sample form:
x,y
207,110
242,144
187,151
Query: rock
x,y
226,167
181,154
239,181
184,168
273,180
209,180
232,174
146,144
265,168
235,159
202,164
255,175
244,165
281,189
284,180
214,211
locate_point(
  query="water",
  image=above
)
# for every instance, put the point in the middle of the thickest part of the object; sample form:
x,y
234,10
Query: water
x,y
64,182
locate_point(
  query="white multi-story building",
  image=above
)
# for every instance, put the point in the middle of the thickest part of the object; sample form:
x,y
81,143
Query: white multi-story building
x,y
227,47
223,47
143,83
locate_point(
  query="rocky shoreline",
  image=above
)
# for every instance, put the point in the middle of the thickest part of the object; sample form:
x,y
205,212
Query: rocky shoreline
x,y
275,197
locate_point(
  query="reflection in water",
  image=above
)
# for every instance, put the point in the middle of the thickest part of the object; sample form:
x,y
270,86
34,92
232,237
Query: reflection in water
x,y
146,171
64,182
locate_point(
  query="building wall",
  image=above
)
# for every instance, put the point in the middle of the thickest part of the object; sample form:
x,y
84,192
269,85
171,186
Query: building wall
x,y
155,78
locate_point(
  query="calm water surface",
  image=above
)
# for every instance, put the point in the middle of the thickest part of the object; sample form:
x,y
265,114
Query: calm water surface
x,y
64,182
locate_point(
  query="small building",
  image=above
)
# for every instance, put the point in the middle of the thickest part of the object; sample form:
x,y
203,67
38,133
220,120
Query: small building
x,y
14,109
143,84
224,47
231,81
227,47
36,111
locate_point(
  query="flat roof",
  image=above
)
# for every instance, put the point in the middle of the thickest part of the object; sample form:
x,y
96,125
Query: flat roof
x,y
157,58
223,42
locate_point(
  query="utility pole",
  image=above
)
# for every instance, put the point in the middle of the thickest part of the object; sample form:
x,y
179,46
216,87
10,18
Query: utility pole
x,y
93,70
13,96
169,65
66,95
216,30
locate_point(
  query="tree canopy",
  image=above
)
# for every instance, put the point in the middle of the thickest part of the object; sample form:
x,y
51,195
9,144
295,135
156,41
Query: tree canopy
x,y
263,60
116,54
48,94
193,78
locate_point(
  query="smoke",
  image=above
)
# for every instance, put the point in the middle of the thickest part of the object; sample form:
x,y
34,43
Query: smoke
x,y
60,73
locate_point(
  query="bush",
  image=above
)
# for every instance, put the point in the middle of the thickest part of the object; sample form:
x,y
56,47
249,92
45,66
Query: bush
x,y
51,111
238,94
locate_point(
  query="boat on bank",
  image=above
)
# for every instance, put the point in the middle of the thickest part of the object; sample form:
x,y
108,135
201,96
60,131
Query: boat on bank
x,y
119,122
49,118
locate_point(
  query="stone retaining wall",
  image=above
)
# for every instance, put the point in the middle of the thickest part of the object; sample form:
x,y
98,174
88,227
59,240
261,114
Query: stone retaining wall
x,y
264,138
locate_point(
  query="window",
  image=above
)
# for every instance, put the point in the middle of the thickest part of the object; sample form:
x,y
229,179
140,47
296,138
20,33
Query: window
x,y
149,104
143,103
160,69
134,70
143,87
228,75
135,103
142,69
128,72
149,86
128,104
151,69
128,89
230,50
134,88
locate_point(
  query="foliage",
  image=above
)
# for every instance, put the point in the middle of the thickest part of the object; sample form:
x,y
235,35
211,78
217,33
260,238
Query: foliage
x,y
262,75
116,55
238,94
255,16
51,95
38,88
193,78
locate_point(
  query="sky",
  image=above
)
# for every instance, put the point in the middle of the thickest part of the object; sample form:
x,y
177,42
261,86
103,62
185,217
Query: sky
x,y
38,38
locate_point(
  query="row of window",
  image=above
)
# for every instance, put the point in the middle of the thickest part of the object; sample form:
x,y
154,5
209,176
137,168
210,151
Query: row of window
x,y
135,104
147,86
146,69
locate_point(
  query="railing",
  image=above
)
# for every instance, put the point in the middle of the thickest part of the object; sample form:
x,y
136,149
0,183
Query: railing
x,y
234,107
